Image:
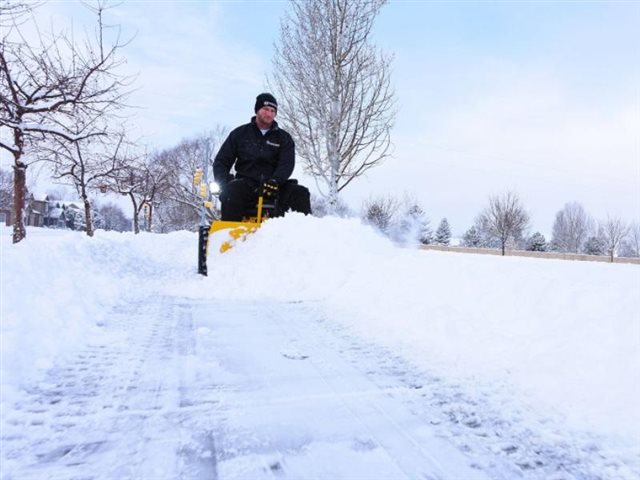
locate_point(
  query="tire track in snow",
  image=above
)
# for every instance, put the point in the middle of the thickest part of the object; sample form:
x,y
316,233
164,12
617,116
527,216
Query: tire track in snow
x,y
115,410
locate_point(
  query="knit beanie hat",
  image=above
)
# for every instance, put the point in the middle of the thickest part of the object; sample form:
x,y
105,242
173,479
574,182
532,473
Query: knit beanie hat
x,y
265,100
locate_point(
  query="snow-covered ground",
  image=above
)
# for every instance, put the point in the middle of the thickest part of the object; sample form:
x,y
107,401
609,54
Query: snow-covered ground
x,y
322,334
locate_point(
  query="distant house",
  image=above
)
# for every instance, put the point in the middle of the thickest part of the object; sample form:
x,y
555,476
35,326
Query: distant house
x,y
37,210
42,211
5,216
45,212
56,218
65,214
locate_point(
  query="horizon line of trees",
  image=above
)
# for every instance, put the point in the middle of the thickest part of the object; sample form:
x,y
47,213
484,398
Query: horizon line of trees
x,y
163,199
504,224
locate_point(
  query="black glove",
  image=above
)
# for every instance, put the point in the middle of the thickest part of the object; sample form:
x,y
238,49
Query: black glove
x,y
270,188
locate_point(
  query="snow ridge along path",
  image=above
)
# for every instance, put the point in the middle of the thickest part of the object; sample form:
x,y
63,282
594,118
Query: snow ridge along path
x,y
194,389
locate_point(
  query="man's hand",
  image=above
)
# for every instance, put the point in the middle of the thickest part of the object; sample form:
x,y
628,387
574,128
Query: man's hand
x,y
270,188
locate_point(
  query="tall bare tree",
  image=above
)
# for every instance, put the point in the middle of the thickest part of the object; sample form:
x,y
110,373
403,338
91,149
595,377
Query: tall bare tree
x,y
505,219
44,87
571,228
335,89
614,231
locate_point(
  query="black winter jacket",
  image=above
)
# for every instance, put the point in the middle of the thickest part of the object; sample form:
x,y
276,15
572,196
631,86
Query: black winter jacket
x,y
255,156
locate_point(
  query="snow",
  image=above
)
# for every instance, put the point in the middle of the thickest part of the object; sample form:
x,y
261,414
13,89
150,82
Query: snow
x,y
550,345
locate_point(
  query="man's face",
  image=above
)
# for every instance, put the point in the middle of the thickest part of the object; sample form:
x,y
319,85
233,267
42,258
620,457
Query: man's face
x,y
266,115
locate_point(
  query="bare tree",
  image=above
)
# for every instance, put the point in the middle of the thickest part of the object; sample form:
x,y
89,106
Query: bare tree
x,y
142,180
614,231
113,217
12,12
571,228
380,212
630,246
44,88
87,164
335,86
505,219
181,198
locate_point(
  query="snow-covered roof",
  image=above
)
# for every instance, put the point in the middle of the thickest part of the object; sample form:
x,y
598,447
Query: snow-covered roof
x,y
55,212
67,203
39,197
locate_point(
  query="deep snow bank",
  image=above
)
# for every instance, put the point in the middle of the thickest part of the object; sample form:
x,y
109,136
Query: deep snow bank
x,y
566,333
57,286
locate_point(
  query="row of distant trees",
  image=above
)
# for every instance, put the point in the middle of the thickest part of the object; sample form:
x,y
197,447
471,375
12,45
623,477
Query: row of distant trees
x,y
504,224
159,186
163,198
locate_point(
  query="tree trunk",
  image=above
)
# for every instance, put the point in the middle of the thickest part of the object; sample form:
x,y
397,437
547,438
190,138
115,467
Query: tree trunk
x,y
149,217
87,215
19,182
136,222
333,152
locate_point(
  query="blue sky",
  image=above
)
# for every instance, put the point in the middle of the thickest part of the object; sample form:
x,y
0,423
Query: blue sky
x,y
539,97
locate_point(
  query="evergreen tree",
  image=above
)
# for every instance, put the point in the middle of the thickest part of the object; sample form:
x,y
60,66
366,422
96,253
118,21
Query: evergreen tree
x,y
536,243
595,245
472,238
443,234
413,225
74,218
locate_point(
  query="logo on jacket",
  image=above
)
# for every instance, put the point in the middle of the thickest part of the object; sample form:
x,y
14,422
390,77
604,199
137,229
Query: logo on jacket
x,y
273,144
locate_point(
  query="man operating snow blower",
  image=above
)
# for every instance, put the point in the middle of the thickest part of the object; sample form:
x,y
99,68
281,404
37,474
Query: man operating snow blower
x,y
263,155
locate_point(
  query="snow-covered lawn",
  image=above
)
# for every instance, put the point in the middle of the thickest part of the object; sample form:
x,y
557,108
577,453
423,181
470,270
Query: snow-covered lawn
x,y
541,341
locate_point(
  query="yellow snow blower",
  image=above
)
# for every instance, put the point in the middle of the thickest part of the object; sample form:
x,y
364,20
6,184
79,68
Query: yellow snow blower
x,y
221,235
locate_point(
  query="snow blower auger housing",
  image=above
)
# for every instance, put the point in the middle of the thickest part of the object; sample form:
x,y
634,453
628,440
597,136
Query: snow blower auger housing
x,y
235,231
